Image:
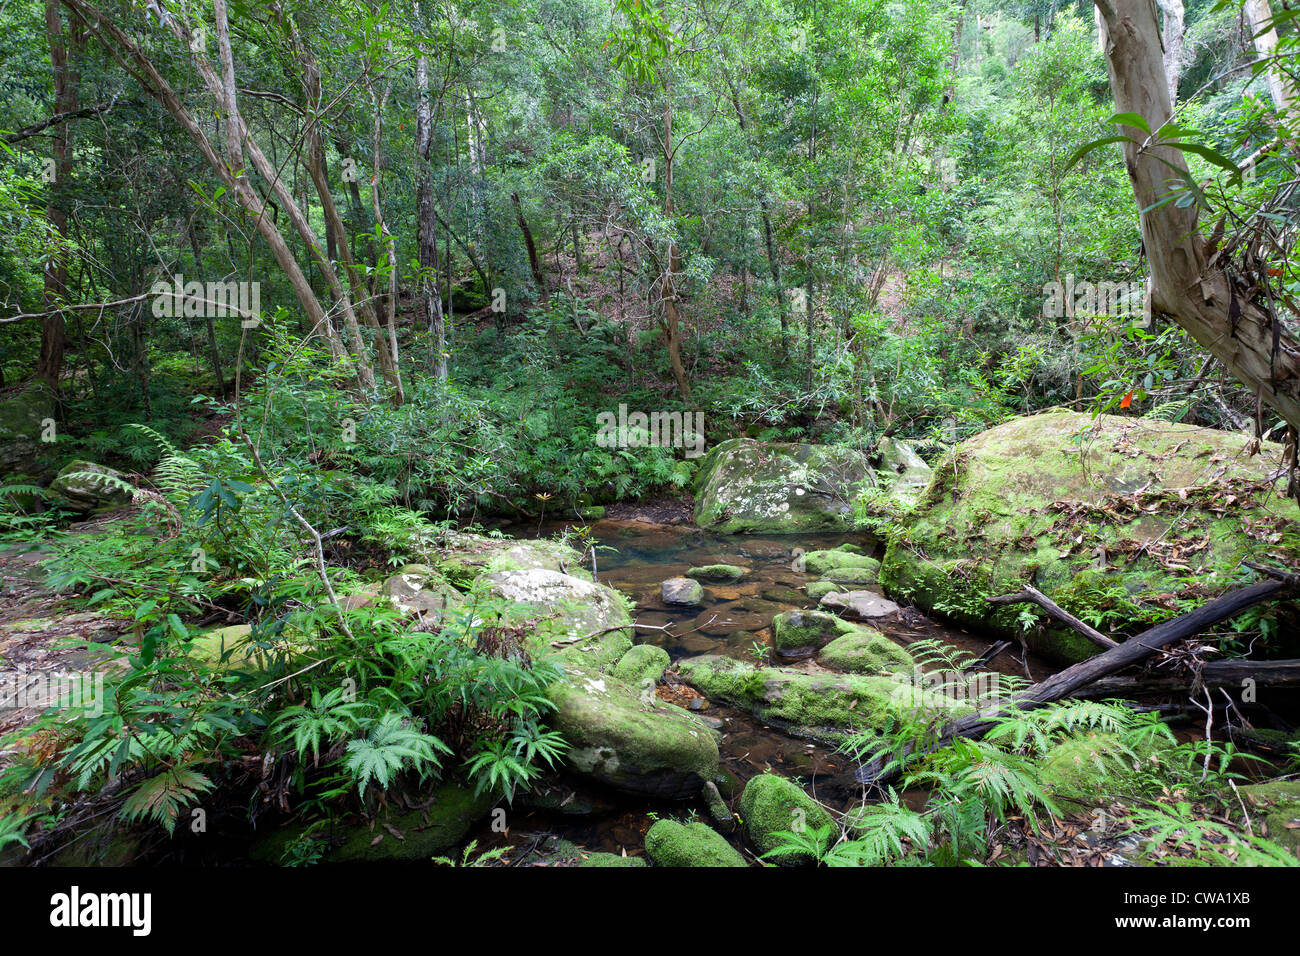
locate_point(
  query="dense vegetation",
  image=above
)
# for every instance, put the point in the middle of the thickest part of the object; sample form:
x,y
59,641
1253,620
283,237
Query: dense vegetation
x,y
444,238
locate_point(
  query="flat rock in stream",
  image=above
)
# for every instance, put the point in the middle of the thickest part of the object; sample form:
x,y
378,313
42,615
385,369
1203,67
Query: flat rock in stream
x,y
682,591
860,605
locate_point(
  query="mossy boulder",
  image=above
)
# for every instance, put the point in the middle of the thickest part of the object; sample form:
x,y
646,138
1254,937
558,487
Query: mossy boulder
x,y
1279,803
464,557
22,423
797,634
751,486
669,843
563,610
823,706
865,650
819,589
718,572
819,562
864,576
772,805
627,738
419,591
86,486
240,651
395,835
643,662
1135,519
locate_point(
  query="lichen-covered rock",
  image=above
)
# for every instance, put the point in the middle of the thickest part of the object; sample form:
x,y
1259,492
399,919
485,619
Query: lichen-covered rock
x,y
565,609
681,591
1279,803
669,843
823,706
772,805
464,557
845,556
798,634
865,651
23,418
396,835
1137,519
744,485
718,572
85,486
859,605
625,737
419,591
643,662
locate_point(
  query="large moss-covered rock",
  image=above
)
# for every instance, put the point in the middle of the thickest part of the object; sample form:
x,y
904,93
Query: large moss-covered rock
x,y
85,486
22,423
464,557
797,634
865,650
612,859
744,485
823,706
819,562
1279,803
669,843
627,738
772,805
565,609
903,477
395,835
857,577
1134,518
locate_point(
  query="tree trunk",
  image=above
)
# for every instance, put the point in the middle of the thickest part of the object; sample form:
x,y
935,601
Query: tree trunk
x,y
66,82
427,223
1221,309
1260,17
1172,35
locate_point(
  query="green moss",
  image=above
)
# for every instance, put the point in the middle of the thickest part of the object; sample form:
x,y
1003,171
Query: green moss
x,y
865,651
772,805
445,821
612,859
861,576
821,706
1090,768
642,662
1124,522
1279,802
819,562
819,589
718,572
800,633
669,843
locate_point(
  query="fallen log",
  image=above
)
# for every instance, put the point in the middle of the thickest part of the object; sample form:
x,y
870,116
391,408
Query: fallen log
x,y
1064,683
1231,673
1056,613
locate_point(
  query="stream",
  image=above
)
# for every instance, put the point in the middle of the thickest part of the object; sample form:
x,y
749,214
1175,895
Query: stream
x,y
635,558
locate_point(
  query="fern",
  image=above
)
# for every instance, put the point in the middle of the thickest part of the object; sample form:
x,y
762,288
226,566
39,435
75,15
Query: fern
x,y
162,797
390,747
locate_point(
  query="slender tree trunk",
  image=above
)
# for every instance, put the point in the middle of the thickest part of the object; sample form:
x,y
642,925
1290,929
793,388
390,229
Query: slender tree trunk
x,y
427,223
1226,312
1173,35
1260,17
66,82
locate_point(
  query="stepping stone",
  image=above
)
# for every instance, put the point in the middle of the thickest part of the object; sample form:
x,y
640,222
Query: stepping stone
x,y
860,605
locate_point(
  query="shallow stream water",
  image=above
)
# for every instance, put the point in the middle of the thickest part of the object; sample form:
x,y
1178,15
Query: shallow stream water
x,y
635,558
